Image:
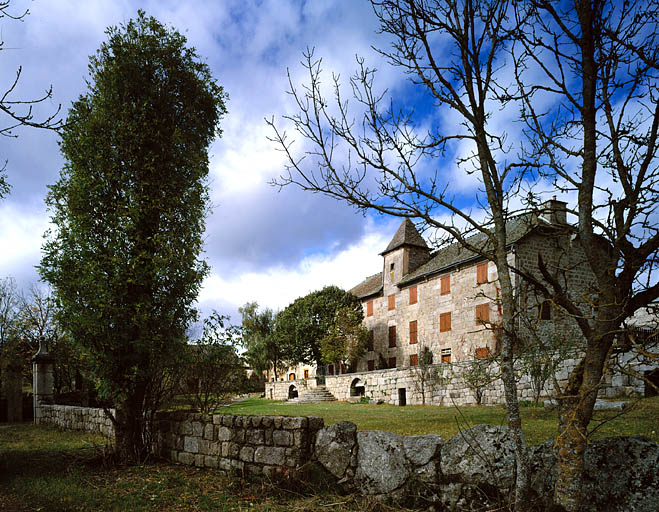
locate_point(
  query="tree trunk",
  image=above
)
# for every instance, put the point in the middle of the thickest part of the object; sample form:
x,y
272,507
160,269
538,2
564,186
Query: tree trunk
x,y
14,393
130,429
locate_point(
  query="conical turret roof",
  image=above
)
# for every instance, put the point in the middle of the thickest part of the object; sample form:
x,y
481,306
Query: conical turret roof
x,y
406,235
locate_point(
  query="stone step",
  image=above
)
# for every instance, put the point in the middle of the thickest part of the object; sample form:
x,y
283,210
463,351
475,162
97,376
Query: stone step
x,y
319,394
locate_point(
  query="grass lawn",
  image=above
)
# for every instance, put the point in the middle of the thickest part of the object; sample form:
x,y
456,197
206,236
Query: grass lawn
x,y
539,424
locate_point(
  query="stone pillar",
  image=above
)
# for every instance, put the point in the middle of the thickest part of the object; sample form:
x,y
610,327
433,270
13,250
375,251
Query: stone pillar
x,y
43,365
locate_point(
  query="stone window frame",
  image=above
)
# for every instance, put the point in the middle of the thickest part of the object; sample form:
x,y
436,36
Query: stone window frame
x,y
444,319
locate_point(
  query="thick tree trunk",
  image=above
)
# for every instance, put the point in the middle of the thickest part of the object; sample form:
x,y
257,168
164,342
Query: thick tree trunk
x,y
130,429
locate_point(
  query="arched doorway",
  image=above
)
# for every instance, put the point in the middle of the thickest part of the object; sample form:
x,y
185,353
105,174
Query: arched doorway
x,y
292,392
357,388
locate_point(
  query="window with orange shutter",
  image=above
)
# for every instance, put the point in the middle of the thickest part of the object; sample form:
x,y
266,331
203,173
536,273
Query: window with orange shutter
x,y
446,355
482,313
444,322
413,332
414,360
371,339
392,362
481,273
445,285
306,374
482,353
392,336
369,308
413,294
391,302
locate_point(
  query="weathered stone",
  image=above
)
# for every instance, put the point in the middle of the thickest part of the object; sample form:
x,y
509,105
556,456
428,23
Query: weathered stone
x,y
419,450
255,436
191,444
246,454
223,433
482,455
210,462
334,445
217,419
272,455
381,465
204,446
315,423
282,438
197,429
267,422
620,474
227,420
208,431
290,423
186,458
199,460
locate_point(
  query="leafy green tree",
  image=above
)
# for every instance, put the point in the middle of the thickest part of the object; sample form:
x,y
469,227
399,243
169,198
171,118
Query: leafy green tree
x,y
128,214
214,367
346,340
263,350
304,323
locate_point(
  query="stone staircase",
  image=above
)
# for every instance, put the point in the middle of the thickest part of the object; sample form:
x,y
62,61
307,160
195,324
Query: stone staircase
x,y
318,394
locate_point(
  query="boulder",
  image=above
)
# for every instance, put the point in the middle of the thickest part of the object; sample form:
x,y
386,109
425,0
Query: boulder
x,y
420,450
334,446
620,474
381,464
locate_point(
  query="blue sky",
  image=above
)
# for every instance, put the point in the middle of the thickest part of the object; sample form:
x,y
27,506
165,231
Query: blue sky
x,y
262,244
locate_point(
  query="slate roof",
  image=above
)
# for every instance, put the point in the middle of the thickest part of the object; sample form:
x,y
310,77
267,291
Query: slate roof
x,y
406,235
455,253
369,286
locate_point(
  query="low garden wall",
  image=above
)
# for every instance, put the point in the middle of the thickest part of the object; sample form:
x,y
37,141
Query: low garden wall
x,y
466,472
69,417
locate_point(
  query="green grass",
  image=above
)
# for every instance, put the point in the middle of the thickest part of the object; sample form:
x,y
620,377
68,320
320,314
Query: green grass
x,y
538,423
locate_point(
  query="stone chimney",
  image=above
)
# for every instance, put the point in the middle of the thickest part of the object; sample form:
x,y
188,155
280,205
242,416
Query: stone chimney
x,y
554,211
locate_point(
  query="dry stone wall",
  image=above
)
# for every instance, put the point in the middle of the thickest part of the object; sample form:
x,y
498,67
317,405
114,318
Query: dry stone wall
x,y
248,444
86,419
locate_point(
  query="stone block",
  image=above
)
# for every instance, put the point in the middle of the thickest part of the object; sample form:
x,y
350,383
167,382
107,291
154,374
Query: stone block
x,y
186,458
267,422
292,423
273,455
210,462
197,429
255,436
204,446
199,460
209,430
217,419
282,438
214,448
222,433
255,421
191,444
227,420
238,435
246,454
316,423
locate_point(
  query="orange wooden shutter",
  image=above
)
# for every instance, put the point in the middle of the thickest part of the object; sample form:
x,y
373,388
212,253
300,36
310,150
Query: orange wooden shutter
x,y
445,322
369,308
392,336
392,302
482,313
414,359
392,362
482,353
413,295
413,332
481,273
445,285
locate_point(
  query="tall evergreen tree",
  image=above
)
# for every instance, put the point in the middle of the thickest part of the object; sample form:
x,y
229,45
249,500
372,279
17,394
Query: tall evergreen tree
x,y
128,212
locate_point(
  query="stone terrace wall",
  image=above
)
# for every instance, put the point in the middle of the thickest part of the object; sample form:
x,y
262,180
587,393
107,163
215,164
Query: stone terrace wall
x,y
279,390
69,417
250,444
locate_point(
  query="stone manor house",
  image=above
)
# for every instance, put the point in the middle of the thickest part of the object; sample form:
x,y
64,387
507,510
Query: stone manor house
x,y
447,300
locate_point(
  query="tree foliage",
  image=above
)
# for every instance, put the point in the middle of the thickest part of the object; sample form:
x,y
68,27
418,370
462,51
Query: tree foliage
x,y
214,369
347,339
263,352
302,325
128,214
